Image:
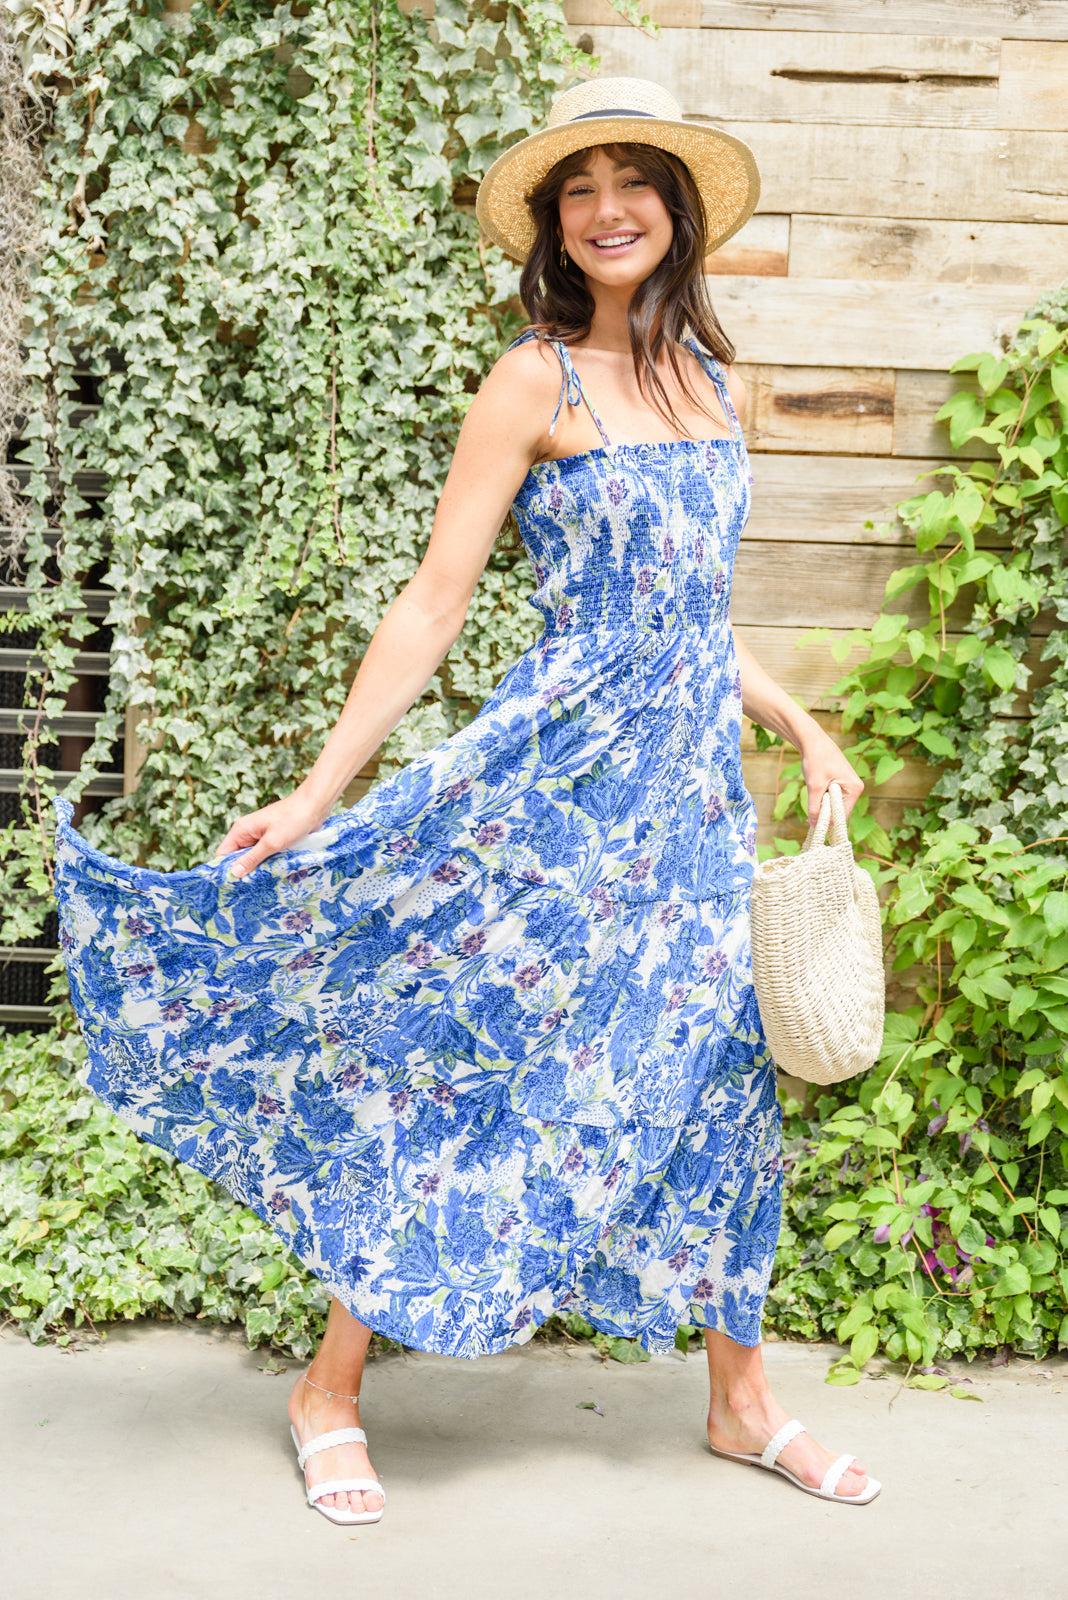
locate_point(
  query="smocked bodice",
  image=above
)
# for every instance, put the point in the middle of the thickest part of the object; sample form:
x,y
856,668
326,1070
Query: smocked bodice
x,y
635,534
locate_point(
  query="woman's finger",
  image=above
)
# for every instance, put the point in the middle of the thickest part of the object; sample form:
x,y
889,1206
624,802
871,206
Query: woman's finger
x,y
252,858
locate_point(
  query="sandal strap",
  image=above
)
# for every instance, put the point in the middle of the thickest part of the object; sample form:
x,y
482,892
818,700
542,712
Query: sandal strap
x,y
345,1486
835,1473
778,1442
327,1441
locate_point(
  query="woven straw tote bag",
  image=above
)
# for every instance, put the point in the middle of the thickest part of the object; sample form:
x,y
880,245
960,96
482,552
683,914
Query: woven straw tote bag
x,y
818,954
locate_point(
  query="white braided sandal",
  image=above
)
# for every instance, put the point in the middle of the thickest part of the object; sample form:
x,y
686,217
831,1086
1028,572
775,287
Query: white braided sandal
x,y
327,1441
769,1460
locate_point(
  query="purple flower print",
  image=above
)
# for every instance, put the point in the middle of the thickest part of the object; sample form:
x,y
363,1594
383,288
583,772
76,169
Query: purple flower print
x,y
455,790
297,875
530,976
703,1290
676,672
676,997
490,833
582,1060
616,491
268,1106
522,1318
533,875
201,1065
352,1077
667,549
640,870
398,1101
448,872
401,845
563,616
173,1011
575,1159
717,583
556,500
472,943
506,1224
420,955
679,1260
552,1018
713,807
668,913
699,550
141,969
443,1094
332,1036
221,1008
67,940
297,921
613,1177
138,925
644,582
430,1185
716,964
299,963
279,1202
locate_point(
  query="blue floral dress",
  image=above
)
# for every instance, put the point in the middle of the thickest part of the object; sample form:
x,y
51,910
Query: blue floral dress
x,y
485,1046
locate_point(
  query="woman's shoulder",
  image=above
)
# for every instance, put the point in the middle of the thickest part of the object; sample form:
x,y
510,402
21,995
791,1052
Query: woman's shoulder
x,y
530,365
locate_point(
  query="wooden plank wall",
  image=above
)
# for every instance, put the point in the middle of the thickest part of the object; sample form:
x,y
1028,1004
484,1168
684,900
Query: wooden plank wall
x,y
914,203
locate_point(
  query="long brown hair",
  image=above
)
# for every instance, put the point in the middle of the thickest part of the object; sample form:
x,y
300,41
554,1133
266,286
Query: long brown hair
x,y
672,301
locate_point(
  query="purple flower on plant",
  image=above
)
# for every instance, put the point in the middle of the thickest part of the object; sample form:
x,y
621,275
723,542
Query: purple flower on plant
x,y
530,976
715,964
472,943
882,1233
490,833
448,872
279,1202
268,1106
679,1260
173,1011
615,491
297,921
398,1101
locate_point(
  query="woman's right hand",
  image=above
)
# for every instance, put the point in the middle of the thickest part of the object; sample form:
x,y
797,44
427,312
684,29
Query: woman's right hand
x,y
273,828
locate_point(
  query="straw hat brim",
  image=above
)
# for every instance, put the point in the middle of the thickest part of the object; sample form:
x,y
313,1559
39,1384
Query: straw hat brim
x,y
723,168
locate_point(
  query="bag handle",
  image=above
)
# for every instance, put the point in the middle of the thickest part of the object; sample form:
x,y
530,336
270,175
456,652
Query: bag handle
x,y
832,811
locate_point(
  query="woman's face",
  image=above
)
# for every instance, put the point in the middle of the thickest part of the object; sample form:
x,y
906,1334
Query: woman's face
x,y
616,227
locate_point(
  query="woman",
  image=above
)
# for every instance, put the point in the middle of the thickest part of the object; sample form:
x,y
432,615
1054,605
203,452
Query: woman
x,y
486,1046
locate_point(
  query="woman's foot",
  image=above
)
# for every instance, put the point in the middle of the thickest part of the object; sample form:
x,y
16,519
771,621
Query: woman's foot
x,y
743,1423
312,1412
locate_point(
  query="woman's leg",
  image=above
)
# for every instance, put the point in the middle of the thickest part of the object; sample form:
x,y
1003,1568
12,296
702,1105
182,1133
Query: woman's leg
x,y
337,1366
743,1415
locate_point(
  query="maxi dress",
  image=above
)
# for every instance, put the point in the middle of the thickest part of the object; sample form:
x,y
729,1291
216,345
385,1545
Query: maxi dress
x,y
485,1046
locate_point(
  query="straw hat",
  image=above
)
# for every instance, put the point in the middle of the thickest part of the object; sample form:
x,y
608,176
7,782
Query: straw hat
x,y
618,111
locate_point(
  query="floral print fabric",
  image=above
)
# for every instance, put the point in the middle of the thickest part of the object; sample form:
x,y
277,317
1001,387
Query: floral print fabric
x,y
486,1045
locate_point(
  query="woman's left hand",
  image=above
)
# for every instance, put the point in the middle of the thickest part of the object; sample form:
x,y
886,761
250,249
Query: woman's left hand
x,y
822,763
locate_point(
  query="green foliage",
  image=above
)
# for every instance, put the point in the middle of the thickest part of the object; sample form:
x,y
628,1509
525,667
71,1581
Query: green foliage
x,y
928,1209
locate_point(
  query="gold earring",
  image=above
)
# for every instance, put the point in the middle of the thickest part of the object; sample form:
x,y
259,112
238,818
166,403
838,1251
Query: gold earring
x,y
563,253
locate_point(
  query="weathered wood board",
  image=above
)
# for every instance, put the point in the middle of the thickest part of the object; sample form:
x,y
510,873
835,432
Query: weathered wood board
x,y
894,79
918,397
850,322
1033,87
943,173
824,499
760,250
838,410
910,249
783,584
1023,19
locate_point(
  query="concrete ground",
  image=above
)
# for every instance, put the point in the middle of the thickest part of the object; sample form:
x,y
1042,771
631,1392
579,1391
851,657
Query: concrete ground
x,y
159,1466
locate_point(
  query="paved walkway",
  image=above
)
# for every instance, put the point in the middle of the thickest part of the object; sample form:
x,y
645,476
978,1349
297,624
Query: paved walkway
x,y
159,1467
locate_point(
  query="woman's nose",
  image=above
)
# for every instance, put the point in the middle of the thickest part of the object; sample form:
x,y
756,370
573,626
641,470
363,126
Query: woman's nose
x,y
608,207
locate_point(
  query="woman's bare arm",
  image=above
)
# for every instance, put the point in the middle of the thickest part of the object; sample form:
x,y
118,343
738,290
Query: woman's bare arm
x,y
763,701
504,431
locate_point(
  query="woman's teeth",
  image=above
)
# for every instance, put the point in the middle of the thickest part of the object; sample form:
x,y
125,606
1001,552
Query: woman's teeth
x,y
615,240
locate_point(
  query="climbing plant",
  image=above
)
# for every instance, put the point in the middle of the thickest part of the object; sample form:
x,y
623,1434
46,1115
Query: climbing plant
x,y
928,1207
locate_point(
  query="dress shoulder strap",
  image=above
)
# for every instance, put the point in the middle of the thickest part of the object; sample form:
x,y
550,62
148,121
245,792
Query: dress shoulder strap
x,y
716,372
571,388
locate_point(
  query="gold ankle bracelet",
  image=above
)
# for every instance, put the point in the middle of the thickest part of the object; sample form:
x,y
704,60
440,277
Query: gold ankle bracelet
x,y
331,1392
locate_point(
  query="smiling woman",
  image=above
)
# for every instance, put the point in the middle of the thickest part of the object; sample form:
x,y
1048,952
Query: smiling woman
x,y
485,1045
